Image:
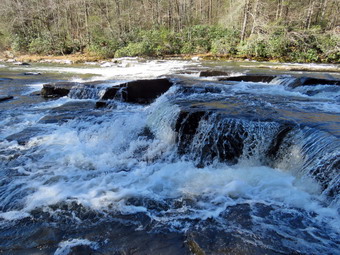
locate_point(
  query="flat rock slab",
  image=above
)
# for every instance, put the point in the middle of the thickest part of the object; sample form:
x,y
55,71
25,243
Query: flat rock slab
x,y
307,81
139,91
250,78
212,73
5,98
296,81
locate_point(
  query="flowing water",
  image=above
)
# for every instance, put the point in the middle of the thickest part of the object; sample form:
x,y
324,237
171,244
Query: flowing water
x,y
210,167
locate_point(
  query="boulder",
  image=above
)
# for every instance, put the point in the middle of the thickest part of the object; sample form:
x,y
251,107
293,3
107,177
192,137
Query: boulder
x,y
5,98
58,89
139,91
145,91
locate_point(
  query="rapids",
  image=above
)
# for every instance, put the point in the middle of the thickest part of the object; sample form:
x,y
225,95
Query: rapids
x,y
210,167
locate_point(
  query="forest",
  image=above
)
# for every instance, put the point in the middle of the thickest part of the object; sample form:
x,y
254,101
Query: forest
x,y
282,30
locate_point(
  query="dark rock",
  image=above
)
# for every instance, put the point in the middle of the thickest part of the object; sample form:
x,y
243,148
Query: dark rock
x,y
225,145
307,81
212,73
145,91
5,98
277,142
82,249
58,89
101,104
111,93
139,91
250,78
21,63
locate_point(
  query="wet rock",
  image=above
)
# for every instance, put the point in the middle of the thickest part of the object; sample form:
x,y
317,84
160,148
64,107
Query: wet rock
x,y
82,249
36,93
250,78
5,98
101,104
145,91
111,93
25,135
139,91
212,73
76,106
58,89
307,81
53,119
224,144
216,241
21,64
274,148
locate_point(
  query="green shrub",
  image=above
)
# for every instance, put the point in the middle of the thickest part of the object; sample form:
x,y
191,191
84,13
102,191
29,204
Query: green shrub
x,y
329,45
103,48
198,39
133,49
227,44
255,46
40,46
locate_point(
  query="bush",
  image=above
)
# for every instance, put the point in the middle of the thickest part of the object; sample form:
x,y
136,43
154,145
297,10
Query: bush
x,y
133,49
255,46
329,45
198,39
227,44
40,46
103,48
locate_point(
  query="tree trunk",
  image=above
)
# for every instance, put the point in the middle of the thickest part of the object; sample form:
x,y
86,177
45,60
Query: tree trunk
x,y
245,20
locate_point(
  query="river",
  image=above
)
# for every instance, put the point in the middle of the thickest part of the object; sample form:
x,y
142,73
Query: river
x,y
212,166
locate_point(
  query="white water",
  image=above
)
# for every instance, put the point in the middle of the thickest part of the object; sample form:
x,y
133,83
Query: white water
x,y
103,162
130,70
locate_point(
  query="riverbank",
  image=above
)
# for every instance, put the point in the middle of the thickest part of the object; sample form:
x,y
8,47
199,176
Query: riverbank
x,y
9,57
